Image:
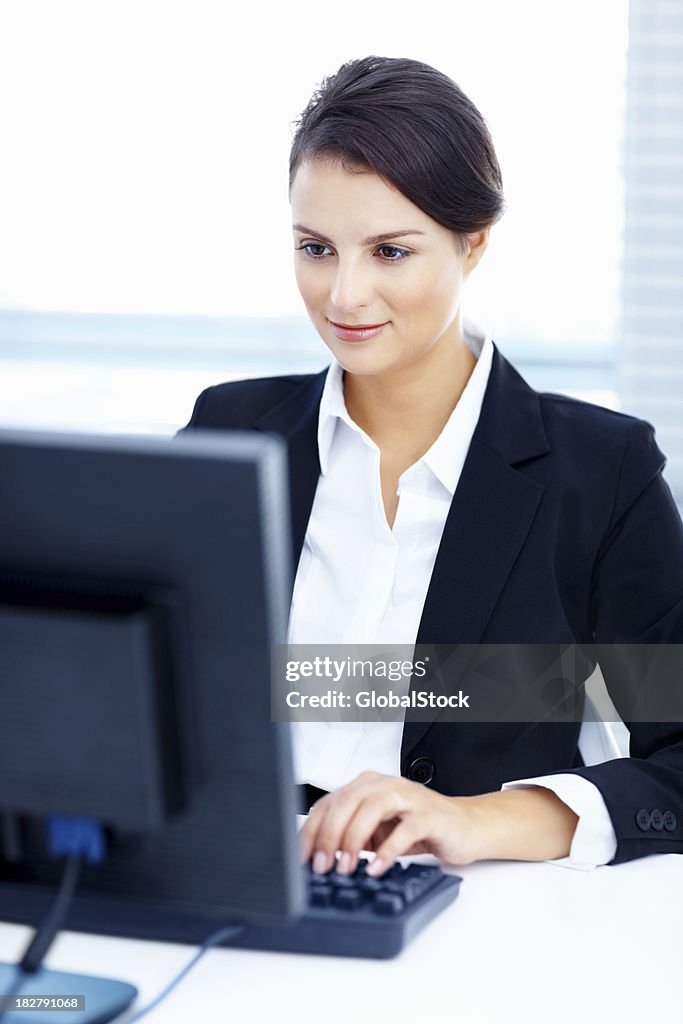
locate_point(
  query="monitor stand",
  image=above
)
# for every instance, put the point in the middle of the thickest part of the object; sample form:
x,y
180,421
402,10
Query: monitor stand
x,y
104,998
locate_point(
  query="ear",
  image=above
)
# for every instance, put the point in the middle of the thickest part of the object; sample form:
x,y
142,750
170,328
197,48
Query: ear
x,y
476,242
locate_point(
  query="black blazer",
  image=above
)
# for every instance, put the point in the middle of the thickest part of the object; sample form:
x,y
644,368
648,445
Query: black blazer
x,y
561,530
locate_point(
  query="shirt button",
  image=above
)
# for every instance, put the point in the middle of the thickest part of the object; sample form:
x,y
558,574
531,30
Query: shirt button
x,y
643,820
657,819
669,821
421,770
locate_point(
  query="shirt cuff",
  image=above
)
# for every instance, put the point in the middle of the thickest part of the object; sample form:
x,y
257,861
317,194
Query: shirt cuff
x,y
595,841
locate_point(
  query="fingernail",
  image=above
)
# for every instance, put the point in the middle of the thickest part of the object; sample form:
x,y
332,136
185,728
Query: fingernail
x,y
319,862
376,867
344,864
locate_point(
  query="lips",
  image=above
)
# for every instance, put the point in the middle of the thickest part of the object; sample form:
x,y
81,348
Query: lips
x,y
356,332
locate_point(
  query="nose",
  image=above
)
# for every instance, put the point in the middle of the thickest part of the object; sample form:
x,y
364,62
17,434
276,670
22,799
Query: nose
x,y
351,288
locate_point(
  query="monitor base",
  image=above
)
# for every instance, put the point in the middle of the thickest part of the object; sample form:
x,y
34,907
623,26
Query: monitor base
x,y
105,998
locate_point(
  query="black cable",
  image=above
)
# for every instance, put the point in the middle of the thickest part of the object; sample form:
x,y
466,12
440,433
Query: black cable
x,y
213,940
10,837
45,934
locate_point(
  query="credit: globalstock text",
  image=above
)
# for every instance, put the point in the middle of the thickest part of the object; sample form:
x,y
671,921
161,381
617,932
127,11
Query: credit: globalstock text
x,y
370,699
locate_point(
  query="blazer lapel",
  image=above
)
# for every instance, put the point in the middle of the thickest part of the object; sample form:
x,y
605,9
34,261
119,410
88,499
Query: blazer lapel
x,y
296,419
490,516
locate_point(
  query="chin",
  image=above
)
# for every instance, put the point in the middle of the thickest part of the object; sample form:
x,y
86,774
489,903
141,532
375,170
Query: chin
x,y
361,366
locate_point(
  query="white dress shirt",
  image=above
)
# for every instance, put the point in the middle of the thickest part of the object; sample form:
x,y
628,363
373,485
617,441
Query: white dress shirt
x,y
361,582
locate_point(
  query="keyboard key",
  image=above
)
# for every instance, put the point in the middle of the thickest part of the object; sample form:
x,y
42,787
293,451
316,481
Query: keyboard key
x,y
343,881
387,903
361,867
422,871
414,888
392,885
321,895
369,885
348,899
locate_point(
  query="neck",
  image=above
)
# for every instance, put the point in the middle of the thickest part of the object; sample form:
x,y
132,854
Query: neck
x,y
409,408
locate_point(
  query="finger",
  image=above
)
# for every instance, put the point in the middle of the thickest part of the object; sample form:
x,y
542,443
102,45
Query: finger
x,y
309,829
411,830
339,812
375,812
348,862
327,819
381,833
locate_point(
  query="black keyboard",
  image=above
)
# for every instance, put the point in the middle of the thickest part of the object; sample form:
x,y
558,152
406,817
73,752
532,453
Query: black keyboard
x,y
357,915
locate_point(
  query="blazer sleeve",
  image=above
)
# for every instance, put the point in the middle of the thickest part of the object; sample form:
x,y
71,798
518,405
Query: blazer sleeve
x,y
637,602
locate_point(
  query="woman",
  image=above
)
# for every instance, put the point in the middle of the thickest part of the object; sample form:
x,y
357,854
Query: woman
x,y
436,498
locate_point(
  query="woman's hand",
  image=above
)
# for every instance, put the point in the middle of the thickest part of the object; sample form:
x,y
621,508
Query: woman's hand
x,y
393,816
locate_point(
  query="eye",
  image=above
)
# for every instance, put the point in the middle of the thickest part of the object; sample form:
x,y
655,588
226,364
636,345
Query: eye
x,y
392,253
314,250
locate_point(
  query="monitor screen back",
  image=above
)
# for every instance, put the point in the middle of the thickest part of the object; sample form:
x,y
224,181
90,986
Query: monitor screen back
x,y
163,567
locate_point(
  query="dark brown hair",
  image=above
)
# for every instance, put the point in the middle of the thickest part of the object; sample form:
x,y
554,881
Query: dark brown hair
x,y
416,128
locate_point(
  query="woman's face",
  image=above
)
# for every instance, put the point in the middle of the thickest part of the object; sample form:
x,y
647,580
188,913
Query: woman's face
x,y
380,279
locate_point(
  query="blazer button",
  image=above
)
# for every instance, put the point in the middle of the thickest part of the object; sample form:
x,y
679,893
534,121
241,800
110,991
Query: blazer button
x,y
643,819
669,821
421,770
657,819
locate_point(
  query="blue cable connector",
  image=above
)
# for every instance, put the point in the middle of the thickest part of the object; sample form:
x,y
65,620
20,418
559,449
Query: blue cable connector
x,y
71,836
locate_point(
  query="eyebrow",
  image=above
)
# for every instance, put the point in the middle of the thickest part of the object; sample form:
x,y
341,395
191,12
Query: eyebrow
x,y
373,240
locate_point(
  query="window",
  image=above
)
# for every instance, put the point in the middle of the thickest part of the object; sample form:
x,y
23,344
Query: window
x,y
145,249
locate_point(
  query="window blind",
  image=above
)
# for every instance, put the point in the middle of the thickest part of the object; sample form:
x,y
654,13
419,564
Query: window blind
x,y
651,348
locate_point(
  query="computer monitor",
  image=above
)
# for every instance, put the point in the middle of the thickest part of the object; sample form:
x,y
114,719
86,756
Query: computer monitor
x,y
143,583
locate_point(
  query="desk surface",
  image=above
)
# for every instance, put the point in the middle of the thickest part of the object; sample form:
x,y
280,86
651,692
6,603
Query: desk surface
x,y
523,942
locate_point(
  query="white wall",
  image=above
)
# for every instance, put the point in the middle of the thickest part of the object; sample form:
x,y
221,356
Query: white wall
x,y
145,149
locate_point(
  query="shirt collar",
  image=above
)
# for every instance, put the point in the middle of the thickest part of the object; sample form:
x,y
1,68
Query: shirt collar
x,y
447,455
459,426
332,409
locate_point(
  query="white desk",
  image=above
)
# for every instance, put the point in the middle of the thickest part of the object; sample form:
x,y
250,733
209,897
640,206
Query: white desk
x,y
528,943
